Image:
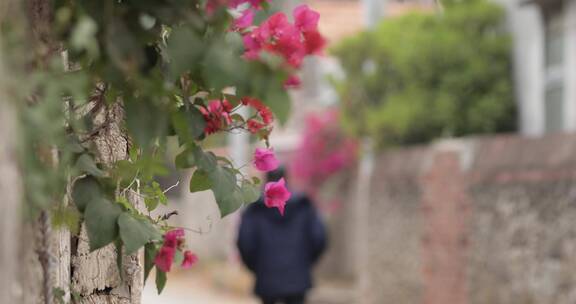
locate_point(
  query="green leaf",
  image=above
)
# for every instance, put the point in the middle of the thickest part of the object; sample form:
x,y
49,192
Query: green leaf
x,y
87,165
101,222
185,159
223,181
200,181
150,252
160,280
221,66
229,202
226,192
124,203
125,172
189,124
225,160
136,232
73,144
206,160
145,121
85,190
184,49
153,195
122,46
195,156
250,192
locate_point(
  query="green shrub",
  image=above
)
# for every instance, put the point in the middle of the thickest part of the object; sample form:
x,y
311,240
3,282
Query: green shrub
x,y
422,76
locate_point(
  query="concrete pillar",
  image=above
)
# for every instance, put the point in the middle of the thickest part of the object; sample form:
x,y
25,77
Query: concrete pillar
x,y
445,209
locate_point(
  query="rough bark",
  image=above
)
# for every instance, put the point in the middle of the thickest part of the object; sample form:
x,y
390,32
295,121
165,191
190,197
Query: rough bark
x,y
95,276
71,267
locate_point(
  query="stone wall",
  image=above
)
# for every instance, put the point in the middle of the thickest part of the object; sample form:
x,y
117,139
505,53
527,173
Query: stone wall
x,y
479,221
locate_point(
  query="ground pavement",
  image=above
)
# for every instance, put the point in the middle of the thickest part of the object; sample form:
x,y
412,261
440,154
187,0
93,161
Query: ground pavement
x,y
222,283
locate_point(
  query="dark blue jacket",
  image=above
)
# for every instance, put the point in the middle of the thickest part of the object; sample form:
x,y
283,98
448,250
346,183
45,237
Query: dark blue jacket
x,y
281,250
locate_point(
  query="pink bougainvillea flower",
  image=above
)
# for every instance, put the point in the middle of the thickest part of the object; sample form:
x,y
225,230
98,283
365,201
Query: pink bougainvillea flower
x,y
244,21
164,258
216,115
226,106
291,41
253,44
173,238
265,160
305,19
189,259
289,45
275,26
264,112
276,195
314,42
292,82
254,126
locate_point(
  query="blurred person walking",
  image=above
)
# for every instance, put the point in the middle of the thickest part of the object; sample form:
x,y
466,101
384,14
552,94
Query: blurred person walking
x,y
282,250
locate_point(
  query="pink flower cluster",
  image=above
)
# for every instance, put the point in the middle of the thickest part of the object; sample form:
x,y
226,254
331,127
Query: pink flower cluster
x,y
275,193
263,118
173,242
292,41
216,115
323,152
277,35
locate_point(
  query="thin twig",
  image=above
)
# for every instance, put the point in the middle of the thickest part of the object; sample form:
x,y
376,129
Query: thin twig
x,y
173,186
132,182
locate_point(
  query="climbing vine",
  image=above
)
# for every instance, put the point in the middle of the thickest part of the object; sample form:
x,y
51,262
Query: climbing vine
x,y
167,68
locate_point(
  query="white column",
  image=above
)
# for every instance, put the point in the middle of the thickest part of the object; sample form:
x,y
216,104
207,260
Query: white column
x,y
570,66
372,10
361,215
238,143
526,28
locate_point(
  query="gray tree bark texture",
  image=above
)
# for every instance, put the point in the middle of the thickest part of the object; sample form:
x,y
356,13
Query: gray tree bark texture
x,y
93,277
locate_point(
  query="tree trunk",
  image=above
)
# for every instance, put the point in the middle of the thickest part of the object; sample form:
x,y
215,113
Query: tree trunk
x,y
95,276
53,258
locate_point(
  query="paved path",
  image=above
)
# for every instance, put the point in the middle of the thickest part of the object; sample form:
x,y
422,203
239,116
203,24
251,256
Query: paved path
x,y
192,289
226,284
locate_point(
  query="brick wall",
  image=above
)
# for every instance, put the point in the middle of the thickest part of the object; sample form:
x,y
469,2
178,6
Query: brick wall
x,y
479,221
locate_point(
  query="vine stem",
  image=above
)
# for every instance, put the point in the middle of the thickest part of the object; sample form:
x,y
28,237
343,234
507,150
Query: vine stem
x,y
198,231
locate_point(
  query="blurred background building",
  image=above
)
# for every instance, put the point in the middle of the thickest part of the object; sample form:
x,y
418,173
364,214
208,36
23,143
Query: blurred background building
x,y
545,63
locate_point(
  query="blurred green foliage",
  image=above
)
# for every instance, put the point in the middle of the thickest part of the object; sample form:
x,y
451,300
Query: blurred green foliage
x,y
146,67
423,76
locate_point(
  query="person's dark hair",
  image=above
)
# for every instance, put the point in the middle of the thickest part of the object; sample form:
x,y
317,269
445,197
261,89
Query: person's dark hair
x,y
275,175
